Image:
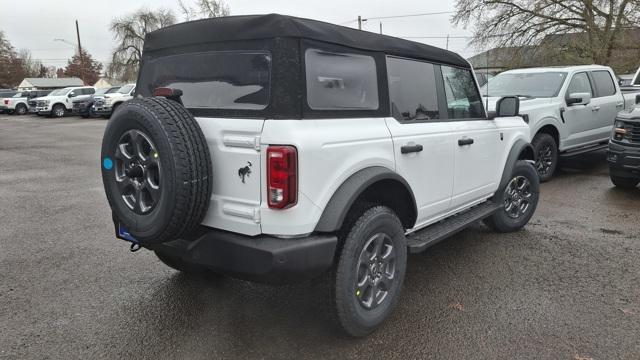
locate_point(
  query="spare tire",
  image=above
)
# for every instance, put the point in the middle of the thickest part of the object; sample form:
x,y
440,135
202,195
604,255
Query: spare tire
x,y
156,169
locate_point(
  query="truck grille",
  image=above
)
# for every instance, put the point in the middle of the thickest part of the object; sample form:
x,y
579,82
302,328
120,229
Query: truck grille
x,y
32,103
633,132
99,102
41,103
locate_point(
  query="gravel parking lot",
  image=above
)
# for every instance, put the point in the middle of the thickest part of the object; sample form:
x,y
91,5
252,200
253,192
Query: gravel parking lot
x,y
567,287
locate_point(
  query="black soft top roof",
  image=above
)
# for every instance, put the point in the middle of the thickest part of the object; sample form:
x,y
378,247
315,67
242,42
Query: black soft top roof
x,y
256,27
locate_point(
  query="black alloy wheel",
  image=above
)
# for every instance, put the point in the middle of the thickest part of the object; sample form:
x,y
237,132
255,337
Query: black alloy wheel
x,y
546,150
517,197
376,271
137,168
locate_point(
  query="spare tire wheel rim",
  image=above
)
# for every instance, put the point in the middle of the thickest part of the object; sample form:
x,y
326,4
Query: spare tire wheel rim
x,y
137,171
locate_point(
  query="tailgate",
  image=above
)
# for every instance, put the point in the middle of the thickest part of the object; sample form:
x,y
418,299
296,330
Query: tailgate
x,y
235,154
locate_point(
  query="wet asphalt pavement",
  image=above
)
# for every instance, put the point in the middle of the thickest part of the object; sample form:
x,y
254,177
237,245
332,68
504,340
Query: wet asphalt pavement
x,y
566,287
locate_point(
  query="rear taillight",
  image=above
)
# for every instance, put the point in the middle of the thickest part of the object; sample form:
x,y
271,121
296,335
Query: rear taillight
x,y
282,176
6,102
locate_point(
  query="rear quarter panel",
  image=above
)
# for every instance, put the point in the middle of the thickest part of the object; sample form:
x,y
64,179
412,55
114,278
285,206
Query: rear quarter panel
x,y
329,152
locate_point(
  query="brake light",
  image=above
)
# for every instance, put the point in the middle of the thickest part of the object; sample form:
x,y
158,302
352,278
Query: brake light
x,y
282,176
6,102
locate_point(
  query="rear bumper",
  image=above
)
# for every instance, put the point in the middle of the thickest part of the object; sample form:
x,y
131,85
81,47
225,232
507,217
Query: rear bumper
x,y
624,160
3,108
261,258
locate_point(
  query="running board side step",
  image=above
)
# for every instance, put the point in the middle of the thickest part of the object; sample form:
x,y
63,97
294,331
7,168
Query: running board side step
x,y
433,234
584,150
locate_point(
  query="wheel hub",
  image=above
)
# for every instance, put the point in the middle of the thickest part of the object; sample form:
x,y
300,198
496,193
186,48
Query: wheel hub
x,y
376,271
517,197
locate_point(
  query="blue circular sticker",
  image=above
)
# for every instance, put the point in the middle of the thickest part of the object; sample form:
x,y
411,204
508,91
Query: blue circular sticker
x,y
107,163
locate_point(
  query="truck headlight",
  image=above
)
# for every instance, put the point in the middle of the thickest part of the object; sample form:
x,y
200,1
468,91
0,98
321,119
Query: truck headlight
x,y
619,130
46,102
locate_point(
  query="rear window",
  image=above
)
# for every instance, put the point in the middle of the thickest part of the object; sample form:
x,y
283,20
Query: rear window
x,y
212,80
604,83
412,89
341,81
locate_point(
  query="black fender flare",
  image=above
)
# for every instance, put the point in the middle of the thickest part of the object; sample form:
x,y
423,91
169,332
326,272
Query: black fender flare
x,y
519,148
345,196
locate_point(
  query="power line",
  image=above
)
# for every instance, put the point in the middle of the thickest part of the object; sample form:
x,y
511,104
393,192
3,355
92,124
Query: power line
x,y
410,15
397,16
435,37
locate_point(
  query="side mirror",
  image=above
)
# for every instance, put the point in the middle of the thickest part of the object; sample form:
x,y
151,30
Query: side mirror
x,y
71,95
578,99
508,106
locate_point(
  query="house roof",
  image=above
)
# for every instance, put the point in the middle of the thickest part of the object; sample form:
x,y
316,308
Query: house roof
x,y
54,82
273,26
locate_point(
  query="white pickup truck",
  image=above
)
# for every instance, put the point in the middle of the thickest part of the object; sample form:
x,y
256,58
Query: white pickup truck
x,y
60,101
570,110
105,105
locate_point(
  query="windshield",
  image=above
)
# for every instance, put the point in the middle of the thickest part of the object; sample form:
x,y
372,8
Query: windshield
x,y
104,91
59,92
545,84
125,89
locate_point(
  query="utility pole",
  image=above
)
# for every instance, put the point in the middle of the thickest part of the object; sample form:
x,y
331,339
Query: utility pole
x,y
359,22
380,27
447,42
80,53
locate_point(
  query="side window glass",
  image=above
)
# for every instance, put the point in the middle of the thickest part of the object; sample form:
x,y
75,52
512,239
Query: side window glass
x,y
463,99
604,83
579,84
341,81
412,89
90,91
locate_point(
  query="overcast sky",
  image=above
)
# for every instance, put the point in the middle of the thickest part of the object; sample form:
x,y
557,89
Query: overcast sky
x,y
34,24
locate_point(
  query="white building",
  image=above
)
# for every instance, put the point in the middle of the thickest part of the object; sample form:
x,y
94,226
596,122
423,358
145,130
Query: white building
x,y
48,83
105,82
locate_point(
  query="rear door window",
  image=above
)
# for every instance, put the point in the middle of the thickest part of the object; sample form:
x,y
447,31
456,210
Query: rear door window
x,y
213,80
341,81
412,90
463,98
604,83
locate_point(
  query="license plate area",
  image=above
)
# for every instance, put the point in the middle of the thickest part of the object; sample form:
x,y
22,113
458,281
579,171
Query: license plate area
x,y
123,234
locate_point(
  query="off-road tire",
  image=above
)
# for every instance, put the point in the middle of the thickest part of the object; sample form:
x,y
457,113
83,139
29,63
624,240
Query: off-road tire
x,y
185,169
500,221
21,109
57,112
623,182
542,143
354,319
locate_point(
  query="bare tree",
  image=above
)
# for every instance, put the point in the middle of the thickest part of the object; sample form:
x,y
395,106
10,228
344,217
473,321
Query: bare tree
x,y
31,66
129,32
528,22
203,9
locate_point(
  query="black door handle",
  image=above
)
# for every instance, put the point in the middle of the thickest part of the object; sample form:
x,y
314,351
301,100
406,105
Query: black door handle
x,y
465,141
411,148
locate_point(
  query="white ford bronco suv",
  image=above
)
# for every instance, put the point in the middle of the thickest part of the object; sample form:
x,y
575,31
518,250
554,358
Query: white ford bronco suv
x,y
278,149
570,109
